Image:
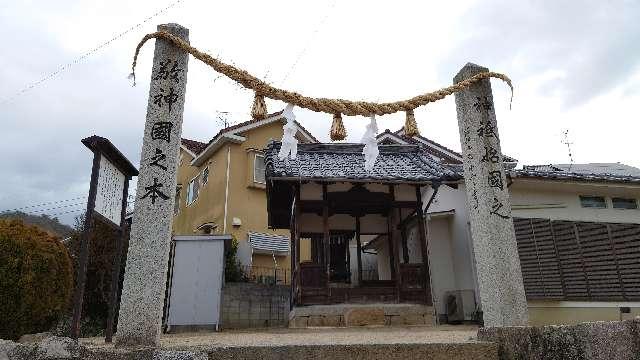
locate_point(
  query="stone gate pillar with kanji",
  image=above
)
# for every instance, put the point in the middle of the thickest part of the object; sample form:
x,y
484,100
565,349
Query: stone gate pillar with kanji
x,y
143,291
499,276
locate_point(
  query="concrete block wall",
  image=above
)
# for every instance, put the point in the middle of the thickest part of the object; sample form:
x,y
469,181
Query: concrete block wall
x,y
247,305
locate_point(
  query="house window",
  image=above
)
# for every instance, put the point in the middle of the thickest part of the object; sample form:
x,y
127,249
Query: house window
x,y
193,189
205,176
622,203
176,204
258,169
597,202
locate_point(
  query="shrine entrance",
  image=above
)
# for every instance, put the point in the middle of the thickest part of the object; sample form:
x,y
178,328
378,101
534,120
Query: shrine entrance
x,y
335,221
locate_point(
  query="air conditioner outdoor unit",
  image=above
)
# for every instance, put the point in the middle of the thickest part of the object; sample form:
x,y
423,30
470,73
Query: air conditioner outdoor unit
x,y
460,305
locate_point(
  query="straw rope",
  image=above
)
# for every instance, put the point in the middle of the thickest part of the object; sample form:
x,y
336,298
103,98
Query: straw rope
x,y
330,106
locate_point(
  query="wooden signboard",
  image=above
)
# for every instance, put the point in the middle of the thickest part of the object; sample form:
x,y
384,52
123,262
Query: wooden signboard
x,y
107,200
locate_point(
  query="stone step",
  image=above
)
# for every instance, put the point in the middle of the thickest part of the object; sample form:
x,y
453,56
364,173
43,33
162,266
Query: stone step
x,y
366,343
356,315
423,351
442,351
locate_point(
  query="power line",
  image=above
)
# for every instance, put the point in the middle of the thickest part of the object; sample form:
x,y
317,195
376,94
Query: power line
x,y
63,213
42,204
66,66
56,208
311,38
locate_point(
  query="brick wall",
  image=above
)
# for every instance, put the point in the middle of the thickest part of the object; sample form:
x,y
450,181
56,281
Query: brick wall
x,y
246,305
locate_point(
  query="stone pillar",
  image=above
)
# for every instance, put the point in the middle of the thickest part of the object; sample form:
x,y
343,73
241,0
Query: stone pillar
x,y
143,291
496,255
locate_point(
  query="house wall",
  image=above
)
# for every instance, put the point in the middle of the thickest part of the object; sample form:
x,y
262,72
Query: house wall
x,y
560,201
247,199
555,200
459,248
442,280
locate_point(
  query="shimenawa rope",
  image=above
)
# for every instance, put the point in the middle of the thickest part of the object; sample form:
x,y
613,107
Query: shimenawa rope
x,y
329,106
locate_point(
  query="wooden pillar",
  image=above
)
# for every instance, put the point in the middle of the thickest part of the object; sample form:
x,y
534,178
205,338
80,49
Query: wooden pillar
x,y
297,213
326,237
85,238
115,271
295,247
393,242
423,232
359,249
348,249
292,286
405,246
392,261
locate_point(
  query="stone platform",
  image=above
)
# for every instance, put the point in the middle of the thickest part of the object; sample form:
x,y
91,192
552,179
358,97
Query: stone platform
x,y
349,315
367,343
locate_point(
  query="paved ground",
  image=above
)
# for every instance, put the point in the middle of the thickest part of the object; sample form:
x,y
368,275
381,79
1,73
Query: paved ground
x,y
446,334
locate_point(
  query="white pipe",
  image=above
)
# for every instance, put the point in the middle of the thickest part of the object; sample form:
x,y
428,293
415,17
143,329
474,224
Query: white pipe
x,y
226,191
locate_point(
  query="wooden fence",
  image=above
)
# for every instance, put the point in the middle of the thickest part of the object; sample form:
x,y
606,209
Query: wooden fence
x,y
568,260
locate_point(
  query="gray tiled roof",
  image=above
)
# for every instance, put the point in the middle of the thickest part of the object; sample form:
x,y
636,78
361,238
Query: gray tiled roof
x,y
608,172
269,243
345,161
195,147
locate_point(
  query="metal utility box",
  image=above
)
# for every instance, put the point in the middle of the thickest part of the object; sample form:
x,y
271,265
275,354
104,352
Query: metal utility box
x,y
195,282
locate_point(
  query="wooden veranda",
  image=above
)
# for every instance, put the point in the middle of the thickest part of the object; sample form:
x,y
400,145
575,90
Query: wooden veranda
x,y
326,278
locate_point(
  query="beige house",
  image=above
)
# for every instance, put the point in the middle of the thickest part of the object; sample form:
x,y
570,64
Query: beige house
x,y
221,190
578,233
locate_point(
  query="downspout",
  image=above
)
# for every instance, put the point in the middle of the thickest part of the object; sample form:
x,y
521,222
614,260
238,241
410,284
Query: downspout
x,y
226,191
435,186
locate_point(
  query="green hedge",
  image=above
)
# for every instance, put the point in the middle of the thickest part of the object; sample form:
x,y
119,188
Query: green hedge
x,y
36,280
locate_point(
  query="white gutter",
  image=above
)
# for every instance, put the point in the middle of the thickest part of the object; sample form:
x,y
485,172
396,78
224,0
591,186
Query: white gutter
x,y
206,153
226,191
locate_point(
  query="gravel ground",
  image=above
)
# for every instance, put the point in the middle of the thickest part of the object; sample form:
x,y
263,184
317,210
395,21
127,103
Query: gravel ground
x,y
315,336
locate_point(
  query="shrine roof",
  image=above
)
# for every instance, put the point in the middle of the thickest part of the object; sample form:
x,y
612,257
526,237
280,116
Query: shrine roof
x,y
447,155
341,161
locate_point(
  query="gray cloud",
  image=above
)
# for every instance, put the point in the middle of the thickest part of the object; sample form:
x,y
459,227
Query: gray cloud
x,y
595,43
592,42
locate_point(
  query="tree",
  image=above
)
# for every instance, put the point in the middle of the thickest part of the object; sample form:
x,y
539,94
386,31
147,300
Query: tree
x,y
36,279
232,269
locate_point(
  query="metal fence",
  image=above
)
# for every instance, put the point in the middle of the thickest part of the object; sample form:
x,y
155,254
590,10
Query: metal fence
x,y
267,275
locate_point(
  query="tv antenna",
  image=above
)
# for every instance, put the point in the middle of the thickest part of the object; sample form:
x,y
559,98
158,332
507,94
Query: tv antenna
x,y
566,141
223,119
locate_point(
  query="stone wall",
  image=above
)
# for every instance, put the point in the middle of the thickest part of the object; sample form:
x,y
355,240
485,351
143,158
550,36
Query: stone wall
x,y
353,315
604,340
246,305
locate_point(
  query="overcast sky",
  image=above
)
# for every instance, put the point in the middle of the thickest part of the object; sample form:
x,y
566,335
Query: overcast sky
x,y
574,66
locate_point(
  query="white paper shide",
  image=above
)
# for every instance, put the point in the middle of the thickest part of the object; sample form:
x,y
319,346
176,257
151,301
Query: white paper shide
x,y
289,145
370,150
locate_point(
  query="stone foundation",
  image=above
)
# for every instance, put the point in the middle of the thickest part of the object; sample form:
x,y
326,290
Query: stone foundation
x,y
352,315
319,345
603,340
